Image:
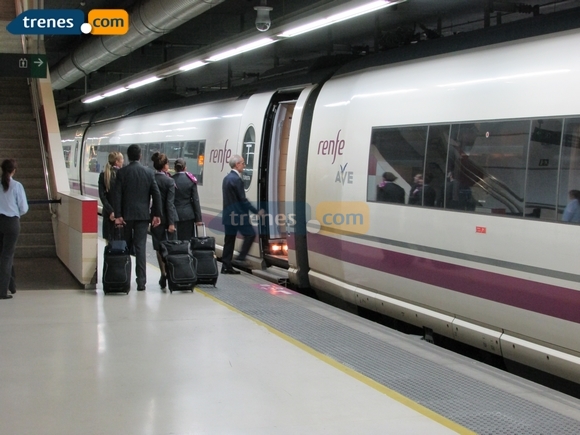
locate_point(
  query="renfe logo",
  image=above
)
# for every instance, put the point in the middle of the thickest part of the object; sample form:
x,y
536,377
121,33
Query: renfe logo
x,y
70,22
331,147
220,156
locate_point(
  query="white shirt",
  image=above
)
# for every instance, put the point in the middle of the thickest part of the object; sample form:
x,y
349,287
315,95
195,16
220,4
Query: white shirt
x,y
13,202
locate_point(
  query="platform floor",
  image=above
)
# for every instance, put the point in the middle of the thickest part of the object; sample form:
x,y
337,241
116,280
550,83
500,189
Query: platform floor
x,y
247,357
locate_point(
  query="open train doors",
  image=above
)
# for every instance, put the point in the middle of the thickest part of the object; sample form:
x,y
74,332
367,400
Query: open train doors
x,y
273,177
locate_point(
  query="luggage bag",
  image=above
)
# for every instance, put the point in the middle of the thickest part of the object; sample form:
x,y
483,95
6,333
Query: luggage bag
x,y
116,265
203,249
180,265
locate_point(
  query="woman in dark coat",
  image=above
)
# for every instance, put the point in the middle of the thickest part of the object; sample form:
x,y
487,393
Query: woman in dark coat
x,y
168,215
107,180
186,201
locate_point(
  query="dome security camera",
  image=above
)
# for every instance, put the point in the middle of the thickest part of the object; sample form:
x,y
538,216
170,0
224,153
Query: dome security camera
x,y
263,21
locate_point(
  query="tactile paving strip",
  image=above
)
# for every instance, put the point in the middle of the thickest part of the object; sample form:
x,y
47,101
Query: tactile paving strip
x,y
464,400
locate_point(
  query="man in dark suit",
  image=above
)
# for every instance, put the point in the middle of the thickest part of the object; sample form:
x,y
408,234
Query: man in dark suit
x,y
236,215
388,191
134,189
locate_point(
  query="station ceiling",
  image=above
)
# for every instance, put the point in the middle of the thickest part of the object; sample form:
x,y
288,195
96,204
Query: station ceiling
x,y
407,23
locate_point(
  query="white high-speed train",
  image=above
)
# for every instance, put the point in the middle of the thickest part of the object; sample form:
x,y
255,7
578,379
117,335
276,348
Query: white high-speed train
x,y
484,257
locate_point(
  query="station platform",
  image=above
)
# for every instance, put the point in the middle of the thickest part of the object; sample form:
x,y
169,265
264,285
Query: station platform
x,y
245,357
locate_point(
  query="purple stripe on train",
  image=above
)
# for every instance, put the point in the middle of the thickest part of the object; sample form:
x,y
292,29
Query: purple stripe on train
x,y
529,295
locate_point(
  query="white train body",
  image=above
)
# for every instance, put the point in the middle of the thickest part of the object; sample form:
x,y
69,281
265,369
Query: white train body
x,y
506,284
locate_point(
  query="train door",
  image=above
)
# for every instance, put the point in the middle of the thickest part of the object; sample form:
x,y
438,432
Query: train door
x,y
272,185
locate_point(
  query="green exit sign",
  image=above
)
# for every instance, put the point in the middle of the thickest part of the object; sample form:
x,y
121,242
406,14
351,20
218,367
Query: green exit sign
x,y
23,65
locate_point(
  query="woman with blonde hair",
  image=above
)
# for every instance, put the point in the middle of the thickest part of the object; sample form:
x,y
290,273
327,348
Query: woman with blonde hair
x,y
13,204
107,180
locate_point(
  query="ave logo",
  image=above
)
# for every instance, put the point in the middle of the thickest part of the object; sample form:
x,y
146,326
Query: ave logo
x,y
343,175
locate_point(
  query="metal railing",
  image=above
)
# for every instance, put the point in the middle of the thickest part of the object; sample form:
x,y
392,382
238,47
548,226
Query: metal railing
x,y
34,91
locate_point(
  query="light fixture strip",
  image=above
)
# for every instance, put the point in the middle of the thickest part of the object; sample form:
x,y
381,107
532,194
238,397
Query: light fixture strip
x,y
115,92
335,18
338,17
143,82
192,65
243,49
92,99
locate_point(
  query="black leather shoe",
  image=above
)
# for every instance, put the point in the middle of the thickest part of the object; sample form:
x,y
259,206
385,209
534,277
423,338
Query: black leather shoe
x,y
6,297
163,281
12,291
245,264
141,289
230,272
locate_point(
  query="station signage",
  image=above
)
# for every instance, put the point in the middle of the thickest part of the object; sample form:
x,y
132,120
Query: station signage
x,y
23,65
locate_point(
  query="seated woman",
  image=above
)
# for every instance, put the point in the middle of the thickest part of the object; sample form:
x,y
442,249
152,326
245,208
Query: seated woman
x,y
168,214
572,210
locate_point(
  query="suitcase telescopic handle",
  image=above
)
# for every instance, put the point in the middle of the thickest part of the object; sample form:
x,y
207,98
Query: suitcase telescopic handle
x,y
174,235
200,224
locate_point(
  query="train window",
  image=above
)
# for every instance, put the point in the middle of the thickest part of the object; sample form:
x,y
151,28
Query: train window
x,y
91,159
193,153
76,152
569,183
542,175
433,191
490,161
248,150
172,150
400,151
66,149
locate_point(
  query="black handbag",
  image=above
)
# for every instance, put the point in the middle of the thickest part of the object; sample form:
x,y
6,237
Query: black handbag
x,y
174,246
203,243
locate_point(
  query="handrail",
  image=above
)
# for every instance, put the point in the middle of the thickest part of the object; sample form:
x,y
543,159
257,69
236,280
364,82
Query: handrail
x,y
36,107
44,201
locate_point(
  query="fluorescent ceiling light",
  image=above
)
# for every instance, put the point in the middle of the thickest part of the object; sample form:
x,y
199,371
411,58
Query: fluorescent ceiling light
x,y
336,18
92,99
143,82
192,65
251,46
115,92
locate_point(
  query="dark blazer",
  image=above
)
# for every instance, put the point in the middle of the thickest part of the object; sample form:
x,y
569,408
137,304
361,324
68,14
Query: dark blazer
x,y
186,198
134,188
107,201
235,201
391,192
167,191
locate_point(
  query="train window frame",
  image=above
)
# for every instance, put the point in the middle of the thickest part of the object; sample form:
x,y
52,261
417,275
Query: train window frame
x,y
524,143
248,153
405,173
571,143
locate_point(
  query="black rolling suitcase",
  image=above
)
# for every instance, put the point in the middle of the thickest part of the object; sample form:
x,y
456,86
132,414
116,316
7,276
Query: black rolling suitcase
x,y
180,265
203,249
116,265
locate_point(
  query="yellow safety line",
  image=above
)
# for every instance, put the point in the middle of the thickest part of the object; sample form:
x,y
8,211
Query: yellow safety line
x,y
358,376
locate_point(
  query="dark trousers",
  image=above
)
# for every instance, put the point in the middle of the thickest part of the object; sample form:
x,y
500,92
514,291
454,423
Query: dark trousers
x,y
230,241
136,237
9,230
185,229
